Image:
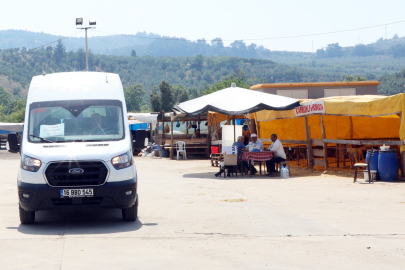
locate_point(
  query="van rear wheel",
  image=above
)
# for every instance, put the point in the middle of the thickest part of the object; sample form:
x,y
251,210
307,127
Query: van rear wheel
x,y
26,217
130,214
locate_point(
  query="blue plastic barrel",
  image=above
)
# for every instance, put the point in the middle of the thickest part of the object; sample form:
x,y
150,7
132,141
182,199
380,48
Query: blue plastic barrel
x,y
388,165
373,162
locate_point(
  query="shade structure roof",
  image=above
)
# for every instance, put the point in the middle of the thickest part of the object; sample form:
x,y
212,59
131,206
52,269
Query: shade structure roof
x,y
12,127
236,101
143,117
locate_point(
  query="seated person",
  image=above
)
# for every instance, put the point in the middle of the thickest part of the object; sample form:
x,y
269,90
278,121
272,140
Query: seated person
x,y
245,134
279,155
255,143
95,124
241,148
196,134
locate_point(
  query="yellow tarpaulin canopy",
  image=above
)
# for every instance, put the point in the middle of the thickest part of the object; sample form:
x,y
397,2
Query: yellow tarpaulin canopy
x,y
219,117
345,118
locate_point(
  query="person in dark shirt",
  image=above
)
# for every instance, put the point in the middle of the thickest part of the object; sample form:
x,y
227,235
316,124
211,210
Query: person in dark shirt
x,y
241,148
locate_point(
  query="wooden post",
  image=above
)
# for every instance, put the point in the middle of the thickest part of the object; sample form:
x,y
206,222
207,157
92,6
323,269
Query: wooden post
x,y
309,143
208,150
171,146
351,128
325,152
337,155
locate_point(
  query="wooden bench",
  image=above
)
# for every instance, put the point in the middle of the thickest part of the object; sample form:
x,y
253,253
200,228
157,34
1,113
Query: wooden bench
x,y
191,144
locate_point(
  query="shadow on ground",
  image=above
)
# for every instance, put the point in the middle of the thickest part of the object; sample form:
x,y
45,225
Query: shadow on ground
x,y
211,175
97,221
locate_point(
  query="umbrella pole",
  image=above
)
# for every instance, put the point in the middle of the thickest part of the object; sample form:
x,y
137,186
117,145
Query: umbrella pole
x,y
234,129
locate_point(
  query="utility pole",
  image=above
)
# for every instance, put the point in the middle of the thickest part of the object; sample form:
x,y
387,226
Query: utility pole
x,y
79,21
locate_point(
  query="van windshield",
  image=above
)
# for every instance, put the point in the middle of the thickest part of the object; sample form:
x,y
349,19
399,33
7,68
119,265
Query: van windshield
x,y
75,120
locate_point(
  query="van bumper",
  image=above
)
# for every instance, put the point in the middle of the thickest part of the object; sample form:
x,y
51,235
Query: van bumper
x,y
109,195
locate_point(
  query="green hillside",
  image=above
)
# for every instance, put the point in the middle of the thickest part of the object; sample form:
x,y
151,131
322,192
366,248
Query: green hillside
x,y
370,60
198,71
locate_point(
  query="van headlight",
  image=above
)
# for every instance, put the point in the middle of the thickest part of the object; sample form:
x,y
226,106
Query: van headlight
x,y
122,161
30,164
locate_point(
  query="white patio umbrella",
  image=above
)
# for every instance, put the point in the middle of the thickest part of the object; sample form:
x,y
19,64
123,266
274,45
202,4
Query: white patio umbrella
x,y
236,101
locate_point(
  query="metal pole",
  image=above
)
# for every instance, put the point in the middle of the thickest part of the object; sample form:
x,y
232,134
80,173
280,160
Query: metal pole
x,y
87,57
234,129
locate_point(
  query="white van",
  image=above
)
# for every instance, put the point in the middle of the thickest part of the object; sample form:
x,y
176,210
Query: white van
x,y
76,148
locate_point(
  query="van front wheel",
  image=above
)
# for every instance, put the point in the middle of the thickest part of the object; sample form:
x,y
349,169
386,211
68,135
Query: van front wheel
x,y
130,214
26,217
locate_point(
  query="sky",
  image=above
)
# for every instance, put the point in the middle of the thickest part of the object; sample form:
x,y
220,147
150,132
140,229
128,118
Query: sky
x,y
256,21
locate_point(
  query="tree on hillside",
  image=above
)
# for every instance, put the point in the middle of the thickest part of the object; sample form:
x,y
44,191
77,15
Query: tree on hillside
x,y
193,92
350,78
179,94
183,96
49,51
397,50
239,48
334,50
226,84
198,62
252,50
5,97
218,46
154,99
133,53
134,96
320,53
362,50
166,96
59,52
81,59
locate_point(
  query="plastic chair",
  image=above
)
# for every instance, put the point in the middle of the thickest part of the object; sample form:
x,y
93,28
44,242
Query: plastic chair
x,y
364,165
181,148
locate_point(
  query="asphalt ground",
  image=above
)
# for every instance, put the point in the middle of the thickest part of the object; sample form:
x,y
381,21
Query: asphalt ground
x,y
189,219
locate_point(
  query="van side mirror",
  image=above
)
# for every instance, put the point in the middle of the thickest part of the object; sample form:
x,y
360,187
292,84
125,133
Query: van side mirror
x,y
12,143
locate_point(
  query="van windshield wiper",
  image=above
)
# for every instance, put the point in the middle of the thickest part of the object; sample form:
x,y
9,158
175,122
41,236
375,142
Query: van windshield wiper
x,y
42,139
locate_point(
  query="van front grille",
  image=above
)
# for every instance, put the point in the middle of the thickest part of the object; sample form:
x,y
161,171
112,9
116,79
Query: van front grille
x,y
76,173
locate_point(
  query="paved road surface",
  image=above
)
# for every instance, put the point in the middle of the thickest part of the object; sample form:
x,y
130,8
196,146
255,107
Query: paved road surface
x,y
189,219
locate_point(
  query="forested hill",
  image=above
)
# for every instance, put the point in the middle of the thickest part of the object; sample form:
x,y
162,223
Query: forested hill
x,y
198,71
392,84
142,43
370,61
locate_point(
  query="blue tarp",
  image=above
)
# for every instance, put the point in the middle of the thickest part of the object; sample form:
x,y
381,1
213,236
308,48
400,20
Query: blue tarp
x,y
138,126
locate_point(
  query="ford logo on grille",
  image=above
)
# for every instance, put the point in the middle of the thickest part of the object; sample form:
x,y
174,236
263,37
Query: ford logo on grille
x,y
76,171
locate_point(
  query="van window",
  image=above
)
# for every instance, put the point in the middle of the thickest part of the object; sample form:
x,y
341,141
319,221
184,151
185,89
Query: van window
x,y
72,121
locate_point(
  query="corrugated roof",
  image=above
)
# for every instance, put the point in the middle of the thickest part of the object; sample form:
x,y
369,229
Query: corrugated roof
x,y
312,84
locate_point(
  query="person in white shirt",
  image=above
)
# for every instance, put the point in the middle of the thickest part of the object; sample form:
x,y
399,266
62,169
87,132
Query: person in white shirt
x,y
255,143
278,155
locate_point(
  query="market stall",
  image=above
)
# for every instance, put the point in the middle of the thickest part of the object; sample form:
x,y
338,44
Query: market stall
x,y
337,122
233,102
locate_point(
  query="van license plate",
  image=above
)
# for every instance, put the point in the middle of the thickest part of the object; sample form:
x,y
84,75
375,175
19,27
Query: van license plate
x,y
70,193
